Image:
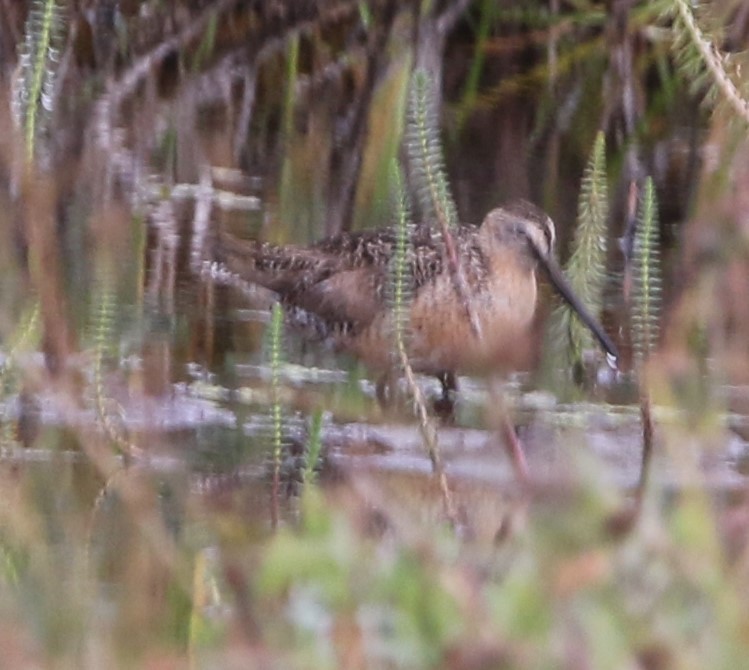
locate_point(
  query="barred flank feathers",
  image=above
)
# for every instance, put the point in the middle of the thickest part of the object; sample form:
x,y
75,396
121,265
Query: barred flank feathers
x,y
424,147
647,276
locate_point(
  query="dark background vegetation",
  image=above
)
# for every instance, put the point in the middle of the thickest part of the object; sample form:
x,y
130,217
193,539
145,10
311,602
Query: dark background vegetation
x,y
143,424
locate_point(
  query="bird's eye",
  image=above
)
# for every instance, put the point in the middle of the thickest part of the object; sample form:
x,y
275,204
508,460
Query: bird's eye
x,y
519,230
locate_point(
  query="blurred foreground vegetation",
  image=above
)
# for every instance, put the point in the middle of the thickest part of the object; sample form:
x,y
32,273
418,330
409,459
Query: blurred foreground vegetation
x,y
184,486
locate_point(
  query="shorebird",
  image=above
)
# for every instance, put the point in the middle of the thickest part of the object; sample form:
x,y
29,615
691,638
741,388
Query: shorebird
x,y
339,289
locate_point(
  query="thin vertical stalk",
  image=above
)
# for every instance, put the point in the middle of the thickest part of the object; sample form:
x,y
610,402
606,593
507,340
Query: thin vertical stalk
x,y
401,313
275,358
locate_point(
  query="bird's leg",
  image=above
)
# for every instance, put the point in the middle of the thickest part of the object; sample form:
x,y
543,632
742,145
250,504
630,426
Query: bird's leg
x,y
444,406
514,448
385,389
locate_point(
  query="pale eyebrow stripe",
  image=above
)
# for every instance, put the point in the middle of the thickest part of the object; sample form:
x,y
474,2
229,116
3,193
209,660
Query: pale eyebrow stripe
x,y
548,234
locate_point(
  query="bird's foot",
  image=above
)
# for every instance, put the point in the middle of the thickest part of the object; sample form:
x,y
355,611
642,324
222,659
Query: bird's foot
x,y
444,409
444,406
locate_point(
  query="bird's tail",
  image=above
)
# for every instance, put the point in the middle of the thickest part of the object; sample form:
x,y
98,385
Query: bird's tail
x,y
275,267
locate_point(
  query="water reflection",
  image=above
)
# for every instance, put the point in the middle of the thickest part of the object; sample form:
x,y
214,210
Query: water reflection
x,y
278,121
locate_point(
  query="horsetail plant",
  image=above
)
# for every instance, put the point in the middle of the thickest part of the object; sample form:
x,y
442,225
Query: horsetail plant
x,y
314,448
401,292
586,267
708,70
25,334
104,324
401,285
33,91
646,306
424,147
275,360
427,172
646,303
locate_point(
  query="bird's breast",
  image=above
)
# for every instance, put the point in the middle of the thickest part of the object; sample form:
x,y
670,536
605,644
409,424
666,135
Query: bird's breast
x,y
439,335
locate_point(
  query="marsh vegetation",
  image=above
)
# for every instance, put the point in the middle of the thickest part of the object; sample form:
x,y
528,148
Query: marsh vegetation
x,y
187,481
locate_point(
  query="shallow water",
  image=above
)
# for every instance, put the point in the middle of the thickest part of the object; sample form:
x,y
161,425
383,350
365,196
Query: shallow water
x,y
132,373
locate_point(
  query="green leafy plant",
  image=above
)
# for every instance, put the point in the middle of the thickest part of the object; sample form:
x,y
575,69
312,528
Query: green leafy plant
x,y
426,159
401,281
401,290
702,64
104,325
646,307
646,296
34,95
586,267
427,172
26,334
314,448
327,571
275,361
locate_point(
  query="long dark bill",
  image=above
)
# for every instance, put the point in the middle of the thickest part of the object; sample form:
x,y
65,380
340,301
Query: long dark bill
x,y
554,273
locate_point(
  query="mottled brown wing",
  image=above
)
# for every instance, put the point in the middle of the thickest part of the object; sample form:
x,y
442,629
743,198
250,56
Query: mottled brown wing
x,y
343,279
350,298
376,248
283,269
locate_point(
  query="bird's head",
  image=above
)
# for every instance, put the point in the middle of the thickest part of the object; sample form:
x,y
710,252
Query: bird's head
x,y
523,227
528,230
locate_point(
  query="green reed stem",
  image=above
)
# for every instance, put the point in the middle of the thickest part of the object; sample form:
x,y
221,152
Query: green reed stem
x,y
275,356
586,268
401,299
425,153
104,326
402,291
37,67
314,448
647,293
